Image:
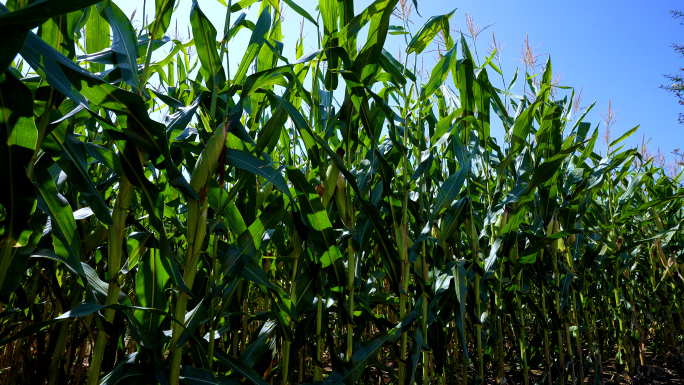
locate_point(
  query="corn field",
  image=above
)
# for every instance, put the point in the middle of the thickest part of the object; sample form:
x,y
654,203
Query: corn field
x,y
332,219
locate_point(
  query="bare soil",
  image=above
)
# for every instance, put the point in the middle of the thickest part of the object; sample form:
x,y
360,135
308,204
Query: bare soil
x,y
658,371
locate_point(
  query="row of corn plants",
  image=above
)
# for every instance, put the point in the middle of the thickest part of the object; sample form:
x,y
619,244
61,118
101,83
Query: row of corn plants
x,y
331,219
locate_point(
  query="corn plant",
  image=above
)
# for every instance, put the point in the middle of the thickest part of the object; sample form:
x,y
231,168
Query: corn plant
x,y
329,219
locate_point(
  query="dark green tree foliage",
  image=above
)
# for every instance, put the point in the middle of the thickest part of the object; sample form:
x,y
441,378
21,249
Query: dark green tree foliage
x,y
676,79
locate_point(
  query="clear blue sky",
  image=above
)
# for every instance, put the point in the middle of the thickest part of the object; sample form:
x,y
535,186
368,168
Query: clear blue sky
x,y
619,50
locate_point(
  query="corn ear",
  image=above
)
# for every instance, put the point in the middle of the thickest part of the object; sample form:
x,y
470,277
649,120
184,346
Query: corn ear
x,y
341,199
330,183
499,225
208,160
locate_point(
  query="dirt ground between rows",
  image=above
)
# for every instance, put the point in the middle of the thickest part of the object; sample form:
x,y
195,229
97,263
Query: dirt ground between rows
x,y
657,372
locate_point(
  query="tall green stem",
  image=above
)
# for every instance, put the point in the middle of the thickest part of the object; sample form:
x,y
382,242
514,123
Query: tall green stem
x,y
319,339
475,249
6,253
351,262
351,274
547,355
197,220
522,338
115,248
401,236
